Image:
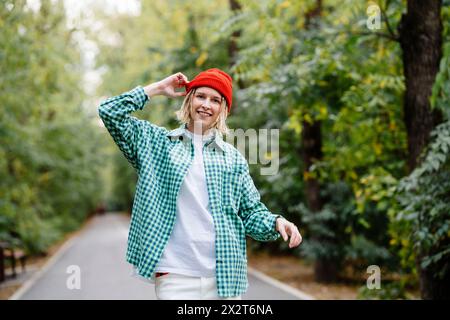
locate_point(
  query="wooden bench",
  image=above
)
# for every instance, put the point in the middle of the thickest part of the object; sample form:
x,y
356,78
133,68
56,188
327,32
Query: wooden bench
x,y
13,254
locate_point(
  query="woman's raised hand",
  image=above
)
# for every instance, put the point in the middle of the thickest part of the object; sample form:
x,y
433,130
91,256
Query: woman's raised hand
x,y
167,86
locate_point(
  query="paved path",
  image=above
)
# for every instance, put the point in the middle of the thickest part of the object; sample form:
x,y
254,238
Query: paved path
x,y
99,251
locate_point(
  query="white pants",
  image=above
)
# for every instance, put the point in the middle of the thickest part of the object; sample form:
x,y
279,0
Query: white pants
x,y
174,286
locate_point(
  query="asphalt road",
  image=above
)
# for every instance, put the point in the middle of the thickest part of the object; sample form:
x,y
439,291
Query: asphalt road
x,y
97,254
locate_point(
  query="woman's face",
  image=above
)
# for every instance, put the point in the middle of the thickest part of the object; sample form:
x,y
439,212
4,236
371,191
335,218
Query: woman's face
x,y
206,107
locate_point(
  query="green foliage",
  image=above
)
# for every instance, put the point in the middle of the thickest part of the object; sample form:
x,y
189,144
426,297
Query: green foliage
x,y
440,97
424,198
342,235
388,291
48,142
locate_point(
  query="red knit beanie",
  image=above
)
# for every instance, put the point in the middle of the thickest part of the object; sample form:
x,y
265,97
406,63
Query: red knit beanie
x,y
216,79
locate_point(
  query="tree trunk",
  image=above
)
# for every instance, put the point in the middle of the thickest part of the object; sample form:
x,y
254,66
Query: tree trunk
x,y
233,48
431,286
312,151
420,32
324,269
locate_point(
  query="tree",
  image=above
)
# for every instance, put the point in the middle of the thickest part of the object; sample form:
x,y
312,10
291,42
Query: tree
x,y
49,155
420,36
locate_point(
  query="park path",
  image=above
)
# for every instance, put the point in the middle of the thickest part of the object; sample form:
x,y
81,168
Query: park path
x,y
99,252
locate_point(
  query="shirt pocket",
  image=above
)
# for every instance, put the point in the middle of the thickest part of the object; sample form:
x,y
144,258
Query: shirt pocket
x,y
231,189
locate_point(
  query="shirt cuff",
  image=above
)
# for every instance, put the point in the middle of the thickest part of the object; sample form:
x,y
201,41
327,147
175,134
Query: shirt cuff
x,y
139,97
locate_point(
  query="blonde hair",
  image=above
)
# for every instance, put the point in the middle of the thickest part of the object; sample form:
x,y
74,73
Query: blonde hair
x,y
184,113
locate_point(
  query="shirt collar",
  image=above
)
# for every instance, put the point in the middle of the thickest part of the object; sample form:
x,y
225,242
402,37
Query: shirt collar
x,y
215,141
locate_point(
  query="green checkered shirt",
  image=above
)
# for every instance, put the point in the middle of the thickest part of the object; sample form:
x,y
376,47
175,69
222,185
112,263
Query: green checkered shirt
x,y
161,159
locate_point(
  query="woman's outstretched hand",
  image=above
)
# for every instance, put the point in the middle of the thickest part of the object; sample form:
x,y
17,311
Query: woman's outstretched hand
x,y
167,86
286,228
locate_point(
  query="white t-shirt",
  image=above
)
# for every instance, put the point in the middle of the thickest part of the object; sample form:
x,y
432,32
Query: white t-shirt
x,y
191,246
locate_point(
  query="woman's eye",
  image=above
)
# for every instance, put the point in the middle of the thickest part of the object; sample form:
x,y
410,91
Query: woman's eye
x,y
203,97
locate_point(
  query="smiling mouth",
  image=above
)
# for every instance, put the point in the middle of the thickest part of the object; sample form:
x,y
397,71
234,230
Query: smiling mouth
x,y
206,114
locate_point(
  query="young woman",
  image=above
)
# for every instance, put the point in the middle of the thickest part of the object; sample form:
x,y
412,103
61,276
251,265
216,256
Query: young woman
x,y
195,200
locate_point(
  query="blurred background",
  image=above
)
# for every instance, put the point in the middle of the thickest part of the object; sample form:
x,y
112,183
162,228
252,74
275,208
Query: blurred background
x,y
359,90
